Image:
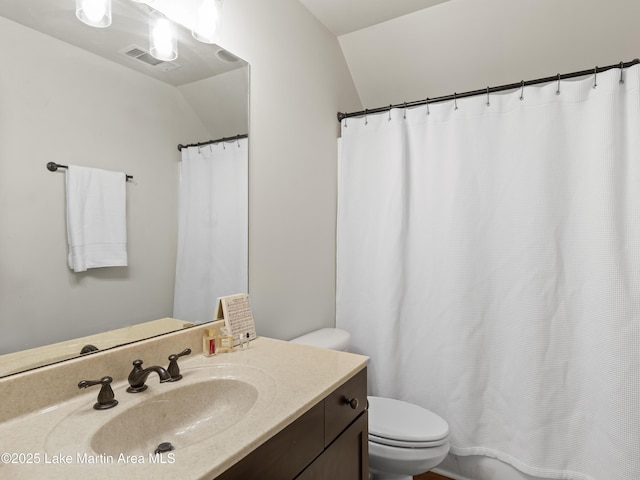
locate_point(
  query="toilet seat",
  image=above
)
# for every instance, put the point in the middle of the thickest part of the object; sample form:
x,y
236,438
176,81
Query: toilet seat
x,y
400,424
390,442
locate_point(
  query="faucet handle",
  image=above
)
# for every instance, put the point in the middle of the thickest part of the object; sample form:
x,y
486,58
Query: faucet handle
x,y
174,369
106,397
137,364
88,348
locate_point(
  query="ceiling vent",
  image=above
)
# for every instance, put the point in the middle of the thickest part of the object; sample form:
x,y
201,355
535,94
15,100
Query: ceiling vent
x,y
137,53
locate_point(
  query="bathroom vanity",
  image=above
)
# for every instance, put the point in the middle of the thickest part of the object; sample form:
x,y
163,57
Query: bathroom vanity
x,y
328,441
274,410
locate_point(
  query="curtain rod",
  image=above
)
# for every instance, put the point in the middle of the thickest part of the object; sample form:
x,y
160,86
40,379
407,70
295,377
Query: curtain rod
x,y
487,90
52,167
209,142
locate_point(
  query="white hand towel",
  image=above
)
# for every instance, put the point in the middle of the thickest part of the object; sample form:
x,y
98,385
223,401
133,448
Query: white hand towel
x,y
96,218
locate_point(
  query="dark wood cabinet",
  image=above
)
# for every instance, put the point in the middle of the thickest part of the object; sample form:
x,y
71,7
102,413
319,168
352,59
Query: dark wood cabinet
x,y
344,459
344,405
328,441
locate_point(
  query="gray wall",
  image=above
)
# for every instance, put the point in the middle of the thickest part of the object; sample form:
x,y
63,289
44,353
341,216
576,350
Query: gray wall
x,y
221,103
299,80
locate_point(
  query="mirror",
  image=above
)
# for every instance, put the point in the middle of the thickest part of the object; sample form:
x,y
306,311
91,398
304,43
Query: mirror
x,y
73,94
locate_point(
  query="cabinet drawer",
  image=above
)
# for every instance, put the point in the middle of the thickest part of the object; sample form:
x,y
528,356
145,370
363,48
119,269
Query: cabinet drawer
x,y
344,405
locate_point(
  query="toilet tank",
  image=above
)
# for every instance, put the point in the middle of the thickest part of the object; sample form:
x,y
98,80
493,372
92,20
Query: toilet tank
x,y
331,338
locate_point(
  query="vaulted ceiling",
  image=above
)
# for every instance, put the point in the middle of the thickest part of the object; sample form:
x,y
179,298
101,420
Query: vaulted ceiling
x,y
196,60
346,16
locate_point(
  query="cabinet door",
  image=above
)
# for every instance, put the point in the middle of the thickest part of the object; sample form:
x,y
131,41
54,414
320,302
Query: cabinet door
x,y
347,458
286,454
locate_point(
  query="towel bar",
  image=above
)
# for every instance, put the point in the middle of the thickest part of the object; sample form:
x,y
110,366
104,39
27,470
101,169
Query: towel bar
x,y
52,167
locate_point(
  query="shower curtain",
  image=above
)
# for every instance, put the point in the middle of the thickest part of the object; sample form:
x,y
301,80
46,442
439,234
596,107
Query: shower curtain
x,y
212,259
489,264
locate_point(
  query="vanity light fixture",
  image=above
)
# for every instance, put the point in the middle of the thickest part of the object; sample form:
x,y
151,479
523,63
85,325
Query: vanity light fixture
x,y
95,13
163,38
208,21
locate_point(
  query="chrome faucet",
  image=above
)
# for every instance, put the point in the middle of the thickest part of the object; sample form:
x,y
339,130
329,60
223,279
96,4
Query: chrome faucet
x,y
138,376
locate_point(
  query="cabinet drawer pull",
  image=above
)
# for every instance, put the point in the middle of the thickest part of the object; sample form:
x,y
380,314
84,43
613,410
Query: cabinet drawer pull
x,y
353,403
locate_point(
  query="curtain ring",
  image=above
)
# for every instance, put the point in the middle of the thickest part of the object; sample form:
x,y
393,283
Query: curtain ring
x,y
621,73
211,147
345,122
428,112
224,147
366,120
558,90
455,100
390,107
595,77
198,149
488,103
522,90
404,114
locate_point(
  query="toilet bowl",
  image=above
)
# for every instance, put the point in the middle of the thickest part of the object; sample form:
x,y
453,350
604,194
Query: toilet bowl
x,y
404,439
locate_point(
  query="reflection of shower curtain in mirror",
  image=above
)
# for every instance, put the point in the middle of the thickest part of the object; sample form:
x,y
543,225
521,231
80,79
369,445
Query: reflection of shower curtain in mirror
x,y
212,233
489,264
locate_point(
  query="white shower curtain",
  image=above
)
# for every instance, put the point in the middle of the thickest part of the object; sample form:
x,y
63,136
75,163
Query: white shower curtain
x,y
489,264
212,258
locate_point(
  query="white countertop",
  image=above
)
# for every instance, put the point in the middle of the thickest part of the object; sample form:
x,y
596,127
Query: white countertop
x,y
303,376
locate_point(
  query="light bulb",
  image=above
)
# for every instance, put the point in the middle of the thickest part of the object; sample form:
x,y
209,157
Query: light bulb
x,y
163,42
96,13
208,21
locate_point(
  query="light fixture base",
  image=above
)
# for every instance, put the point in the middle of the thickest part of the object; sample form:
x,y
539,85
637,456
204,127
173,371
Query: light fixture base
x,y
95,13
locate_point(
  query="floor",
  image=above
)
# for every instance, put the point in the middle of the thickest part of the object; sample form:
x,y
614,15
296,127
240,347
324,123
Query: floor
x,y
430,476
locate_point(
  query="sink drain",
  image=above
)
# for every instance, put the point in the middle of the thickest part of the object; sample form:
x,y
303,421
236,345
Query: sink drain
x,y
164,447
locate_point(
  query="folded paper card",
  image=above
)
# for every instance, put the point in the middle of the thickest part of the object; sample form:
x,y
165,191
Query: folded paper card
x,y
236,313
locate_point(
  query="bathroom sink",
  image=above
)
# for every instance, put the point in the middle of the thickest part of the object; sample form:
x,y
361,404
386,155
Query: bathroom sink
x,y
206,402
182,416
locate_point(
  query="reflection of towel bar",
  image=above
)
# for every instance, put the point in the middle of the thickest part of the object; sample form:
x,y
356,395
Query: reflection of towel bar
x,y
51,166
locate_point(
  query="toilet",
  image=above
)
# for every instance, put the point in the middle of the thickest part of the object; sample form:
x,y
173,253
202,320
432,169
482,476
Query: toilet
x,y
404,439
330,338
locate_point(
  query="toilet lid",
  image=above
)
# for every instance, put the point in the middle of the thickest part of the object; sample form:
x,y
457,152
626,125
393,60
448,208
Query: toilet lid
x,y
397,423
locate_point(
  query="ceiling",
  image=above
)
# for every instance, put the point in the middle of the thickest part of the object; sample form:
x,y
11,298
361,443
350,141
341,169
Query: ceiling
x,y
346,16
196,60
